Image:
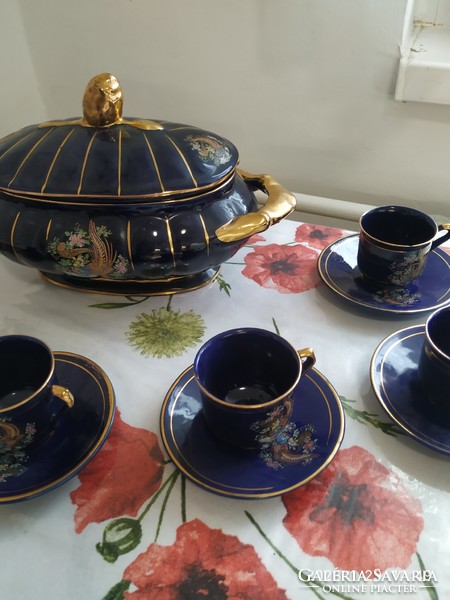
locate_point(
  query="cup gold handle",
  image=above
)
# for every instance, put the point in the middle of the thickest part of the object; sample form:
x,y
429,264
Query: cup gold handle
x,y
307,357
280,203
64,394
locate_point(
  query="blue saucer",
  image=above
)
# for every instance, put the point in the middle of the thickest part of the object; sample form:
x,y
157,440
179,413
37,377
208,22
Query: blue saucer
x,y
305,448
80,433
393,372
338,269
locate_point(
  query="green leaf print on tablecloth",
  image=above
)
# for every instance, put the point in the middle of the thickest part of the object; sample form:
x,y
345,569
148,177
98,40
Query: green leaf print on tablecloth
x,y
223,285
362,416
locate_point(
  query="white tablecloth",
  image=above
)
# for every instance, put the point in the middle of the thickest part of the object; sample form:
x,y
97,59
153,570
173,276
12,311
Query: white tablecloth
x,y
381,507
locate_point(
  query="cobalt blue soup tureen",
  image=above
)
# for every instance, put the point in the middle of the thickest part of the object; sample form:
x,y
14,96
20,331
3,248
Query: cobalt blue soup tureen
x,y
110,204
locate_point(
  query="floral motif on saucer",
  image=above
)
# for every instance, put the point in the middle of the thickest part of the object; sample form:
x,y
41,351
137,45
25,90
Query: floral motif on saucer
x,y
14,454
393,373
79,434
282,442
337,266
294,445
298,454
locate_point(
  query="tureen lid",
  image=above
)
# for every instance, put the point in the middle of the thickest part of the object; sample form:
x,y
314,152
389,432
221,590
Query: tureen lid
x,y
103,155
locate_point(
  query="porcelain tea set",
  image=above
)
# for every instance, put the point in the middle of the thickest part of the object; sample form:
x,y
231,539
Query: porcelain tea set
x,y
395,265
123,206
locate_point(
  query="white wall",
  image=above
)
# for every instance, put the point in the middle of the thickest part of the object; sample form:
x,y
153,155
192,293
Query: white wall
x,y
20,99
304,88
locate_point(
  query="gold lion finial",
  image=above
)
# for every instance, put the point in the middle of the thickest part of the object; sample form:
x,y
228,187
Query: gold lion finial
x,y
103,105
103,101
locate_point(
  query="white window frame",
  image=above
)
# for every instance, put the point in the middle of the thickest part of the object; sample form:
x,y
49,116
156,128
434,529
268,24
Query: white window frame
x,y
424,69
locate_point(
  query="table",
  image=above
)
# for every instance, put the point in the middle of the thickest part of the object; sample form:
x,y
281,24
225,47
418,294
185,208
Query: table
x,y
130,525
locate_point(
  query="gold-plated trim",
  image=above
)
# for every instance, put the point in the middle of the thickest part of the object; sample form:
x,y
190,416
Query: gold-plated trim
x,y
7,136
11,237
392,245
372,243
330,416
182,128
130,252
262,494
434,351
280,203
243,489
145,124
386,403
108,410
47,231
119,164
183,158
88,150
42,386
205,232
322,267
118,282
63,394
437,229
305,352
169,196
152,154
448,289
103,107
15,144
167,292
309,356
55,158
29,153
249,407
170,240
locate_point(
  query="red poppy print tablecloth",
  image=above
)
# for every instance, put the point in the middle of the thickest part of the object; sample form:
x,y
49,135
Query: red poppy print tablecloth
x,y
130,525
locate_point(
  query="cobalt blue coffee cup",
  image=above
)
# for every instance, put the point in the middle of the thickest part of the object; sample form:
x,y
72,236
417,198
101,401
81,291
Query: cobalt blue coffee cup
x,y
247,377
434,362
394,244
30,399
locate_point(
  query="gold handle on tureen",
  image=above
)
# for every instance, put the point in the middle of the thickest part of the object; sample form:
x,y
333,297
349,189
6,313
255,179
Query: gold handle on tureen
x,y
280,203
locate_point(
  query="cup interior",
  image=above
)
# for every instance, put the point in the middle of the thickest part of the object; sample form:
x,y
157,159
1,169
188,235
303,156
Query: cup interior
x,y
398,225
247,367
438,329
26,364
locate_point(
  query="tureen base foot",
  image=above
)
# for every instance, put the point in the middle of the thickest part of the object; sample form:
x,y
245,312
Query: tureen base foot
x,y
141,287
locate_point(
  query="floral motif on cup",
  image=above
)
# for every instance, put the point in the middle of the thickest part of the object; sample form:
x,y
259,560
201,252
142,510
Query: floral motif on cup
x,y
201,563
294,445
356,513
402,272
209,149
88,253
13,448
267,429
281,442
